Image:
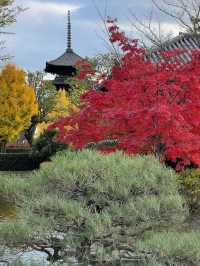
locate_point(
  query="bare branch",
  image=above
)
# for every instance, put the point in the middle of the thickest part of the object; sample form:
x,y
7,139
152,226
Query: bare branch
x,y
178,18
184,13
148,31
8,14
103,18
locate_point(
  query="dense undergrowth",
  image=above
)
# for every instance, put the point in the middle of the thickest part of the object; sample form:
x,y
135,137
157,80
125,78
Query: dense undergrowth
x,y
100,208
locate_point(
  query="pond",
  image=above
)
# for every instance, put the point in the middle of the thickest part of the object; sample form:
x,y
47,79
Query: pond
x,y
8,211
12,257
28,257
15,257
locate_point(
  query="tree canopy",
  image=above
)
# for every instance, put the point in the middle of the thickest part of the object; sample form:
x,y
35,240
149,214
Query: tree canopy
x,y
17,103
45,93
149,107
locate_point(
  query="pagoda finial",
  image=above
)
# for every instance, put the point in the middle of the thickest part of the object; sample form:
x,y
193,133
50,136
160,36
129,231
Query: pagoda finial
x,y
69,33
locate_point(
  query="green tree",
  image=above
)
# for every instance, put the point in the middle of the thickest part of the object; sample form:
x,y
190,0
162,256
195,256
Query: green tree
x,y
45,93
77,88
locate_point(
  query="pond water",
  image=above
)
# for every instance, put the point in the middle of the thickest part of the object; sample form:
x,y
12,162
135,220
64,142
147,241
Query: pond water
x,y
14,257
8,211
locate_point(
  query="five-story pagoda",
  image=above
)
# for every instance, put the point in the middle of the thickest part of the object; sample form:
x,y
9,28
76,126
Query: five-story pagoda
x,y
65,65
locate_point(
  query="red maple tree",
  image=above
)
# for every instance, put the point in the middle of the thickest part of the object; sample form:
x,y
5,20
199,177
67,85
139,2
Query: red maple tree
x,y
84,69
148,107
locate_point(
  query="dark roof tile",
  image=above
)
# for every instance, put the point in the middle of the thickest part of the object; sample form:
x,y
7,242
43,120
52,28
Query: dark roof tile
x,y
69,58
184,41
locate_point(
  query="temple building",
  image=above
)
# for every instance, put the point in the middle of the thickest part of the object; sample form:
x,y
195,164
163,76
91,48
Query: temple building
x,y
184,41
64,65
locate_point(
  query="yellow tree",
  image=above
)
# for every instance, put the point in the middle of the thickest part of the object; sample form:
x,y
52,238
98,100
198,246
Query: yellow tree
x,y
17,103
62,108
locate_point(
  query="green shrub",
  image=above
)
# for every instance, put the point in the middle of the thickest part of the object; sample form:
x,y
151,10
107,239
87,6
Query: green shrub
x,y
13,186
46,146
99,202
102,144
30,159
17,161
190,181
18,150
176,248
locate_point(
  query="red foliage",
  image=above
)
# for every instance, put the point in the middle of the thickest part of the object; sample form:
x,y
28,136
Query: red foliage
x,y
84,69
149,107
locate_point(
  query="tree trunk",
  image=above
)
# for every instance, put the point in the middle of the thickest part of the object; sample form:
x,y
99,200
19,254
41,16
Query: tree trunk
x,y
2,146
30,131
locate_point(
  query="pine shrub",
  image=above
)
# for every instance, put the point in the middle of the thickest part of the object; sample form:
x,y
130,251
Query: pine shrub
x,y
100,203
190,182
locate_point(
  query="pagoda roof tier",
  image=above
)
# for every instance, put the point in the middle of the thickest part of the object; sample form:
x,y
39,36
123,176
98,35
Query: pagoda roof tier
x,y
66,62
60,83
60,80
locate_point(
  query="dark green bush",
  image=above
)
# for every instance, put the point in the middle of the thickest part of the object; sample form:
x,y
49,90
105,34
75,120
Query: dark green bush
x,y
18,150
46,146
17,161
30,159
101,204
102,144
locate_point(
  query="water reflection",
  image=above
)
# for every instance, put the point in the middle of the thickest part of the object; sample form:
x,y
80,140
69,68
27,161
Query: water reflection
x,y
14,257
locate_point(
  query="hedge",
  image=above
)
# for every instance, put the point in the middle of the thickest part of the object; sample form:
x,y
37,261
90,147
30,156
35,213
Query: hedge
x,y
17,161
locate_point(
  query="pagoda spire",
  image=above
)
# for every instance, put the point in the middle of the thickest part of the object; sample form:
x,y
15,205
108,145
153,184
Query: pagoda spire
x,y
65,65
69,33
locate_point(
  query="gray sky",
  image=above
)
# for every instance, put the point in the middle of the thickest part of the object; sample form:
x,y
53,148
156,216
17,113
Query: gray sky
x,y
40,32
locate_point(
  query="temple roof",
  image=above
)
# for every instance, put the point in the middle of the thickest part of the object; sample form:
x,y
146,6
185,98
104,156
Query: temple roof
x,y
185,41
69,58
64,64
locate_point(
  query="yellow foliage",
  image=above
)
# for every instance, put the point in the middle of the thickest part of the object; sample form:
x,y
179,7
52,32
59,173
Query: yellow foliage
x,y
62,108
17,103
41,127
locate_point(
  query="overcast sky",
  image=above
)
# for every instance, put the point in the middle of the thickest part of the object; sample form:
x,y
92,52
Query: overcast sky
x,y
40,32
